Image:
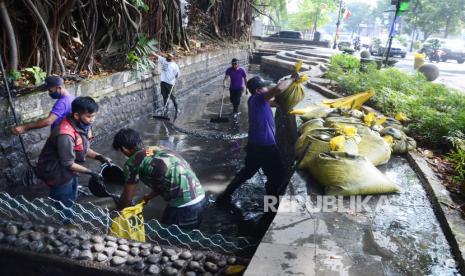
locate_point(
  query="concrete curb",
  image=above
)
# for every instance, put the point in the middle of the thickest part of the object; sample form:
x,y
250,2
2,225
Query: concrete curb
x,y
449,217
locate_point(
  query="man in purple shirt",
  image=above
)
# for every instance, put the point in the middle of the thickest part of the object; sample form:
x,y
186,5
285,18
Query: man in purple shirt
x,y
61,108
238,78
262,151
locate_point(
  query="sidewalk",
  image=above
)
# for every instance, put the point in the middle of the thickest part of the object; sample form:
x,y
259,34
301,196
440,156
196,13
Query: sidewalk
x,y
399,237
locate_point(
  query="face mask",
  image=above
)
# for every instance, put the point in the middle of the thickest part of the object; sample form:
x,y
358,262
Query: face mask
x,y
55,95
84,126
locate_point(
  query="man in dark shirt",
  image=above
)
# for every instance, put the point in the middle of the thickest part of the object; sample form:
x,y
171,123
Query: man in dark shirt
x,y
66,149
167,174
238,79
62,107
262,151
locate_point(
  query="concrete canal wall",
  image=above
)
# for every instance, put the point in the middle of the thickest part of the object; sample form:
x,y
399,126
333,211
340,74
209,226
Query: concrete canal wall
x,y
123,97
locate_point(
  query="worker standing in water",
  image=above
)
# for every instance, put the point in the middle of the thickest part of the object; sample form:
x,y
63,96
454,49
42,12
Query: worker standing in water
x,y
167,174
61,108
64,152
262,150
168,78
238,79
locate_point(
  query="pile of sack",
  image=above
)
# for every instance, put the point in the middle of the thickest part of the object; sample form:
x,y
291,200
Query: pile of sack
x,y
340,145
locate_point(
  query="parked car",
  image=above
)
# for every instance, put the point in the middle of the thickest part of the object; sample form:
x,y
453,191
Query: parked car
x,y
345,42
397,49
288,34
455,51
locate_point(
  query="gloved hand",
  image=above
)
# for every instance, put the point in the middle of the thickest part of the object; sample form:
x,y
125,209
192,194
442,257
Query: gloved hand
x,y
295,76
95,175
103,159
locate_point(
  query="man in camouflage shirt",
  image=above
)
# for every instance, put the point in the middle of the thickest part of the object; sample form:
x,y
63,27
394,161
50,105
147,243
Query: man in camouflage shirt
x,y
167,174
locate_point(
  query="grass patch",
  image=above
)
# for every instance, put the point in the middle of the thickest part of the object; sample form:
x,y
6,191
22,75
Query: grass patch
x,y
435,110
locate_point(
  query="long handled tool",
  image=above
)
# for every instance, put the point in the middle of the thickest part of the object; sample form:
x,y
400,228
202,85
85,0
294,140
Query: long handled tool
x,y
220,119
164,116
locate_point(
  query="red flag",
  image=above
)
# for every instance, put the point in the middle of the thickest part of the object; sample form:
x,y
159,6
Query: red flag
x,y
346,14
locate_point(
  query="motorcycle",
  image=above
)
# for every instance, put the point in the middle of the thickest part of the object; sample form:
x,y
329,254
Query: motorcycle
x,y
436,55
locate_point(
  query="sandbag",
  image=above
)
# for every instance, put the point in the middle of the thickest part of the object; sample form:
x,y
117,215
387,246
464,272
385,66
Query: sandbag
x,y
373,146
310,125
394,132
294,94
312,112
391,122
319,141
348,174
353,102
403,145
330,121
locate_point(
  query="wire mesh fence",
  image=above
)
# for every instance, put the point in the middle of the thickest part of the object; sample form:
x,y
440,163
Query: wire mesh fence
x,y
92,218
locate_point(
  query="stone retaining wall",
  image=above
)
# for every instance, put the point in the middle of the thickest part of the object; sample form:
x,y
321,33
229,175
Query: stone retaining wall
x,y
123,97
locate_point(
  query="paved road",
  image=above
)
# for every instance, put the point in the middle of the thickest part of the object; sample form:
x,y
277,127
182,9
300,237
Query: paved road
x,y
451,73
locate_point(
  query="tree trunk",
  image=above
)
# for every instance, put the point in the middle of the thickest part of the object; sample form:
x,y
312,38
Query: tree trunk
x,y
10,34
446,31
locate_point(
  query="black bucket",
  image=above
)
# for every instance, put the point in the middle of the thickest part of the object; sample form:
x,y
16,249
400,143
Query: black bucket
x,y
112,174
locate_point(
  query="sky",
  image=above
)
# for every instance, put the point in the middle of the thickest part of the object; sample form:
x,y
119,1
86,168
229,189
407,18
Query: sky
x,y
293,5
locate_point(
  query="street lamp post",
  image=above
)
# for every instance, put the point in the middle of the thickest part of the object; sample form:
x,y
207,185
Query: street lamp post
x,y
337,24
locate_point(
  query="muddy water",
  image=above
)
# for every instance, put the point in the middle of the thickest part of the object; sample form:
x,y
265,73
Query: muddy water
x,y
214,151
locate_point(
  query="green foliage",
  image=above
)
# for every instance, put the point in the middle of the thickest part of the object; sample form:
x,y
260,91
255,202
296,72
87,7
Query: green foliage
x,y
403,39
457,157
311,14
435,110
141,5
37,74
13,75
138,58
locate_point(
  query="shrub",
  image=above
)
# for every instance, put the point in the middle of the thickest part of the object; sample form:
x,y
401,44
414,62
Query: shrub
x,y
434,109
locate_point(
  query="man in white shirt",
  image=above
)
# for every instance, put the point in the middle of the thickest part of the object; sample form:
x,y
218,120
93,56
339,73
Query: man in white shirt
x,y
169,75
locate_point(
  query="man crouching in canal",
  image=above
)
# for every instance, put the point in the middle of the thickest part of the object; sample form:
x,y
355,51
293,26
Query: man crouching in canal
x,y
64,152
167,174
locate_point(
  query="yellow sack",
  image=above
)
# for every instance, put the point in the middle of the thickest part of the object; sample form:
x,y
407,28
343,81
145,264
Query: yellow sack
x,y
298,65
319,142
353,102
310,125
293,95
312,112
347,174
130,223
373,146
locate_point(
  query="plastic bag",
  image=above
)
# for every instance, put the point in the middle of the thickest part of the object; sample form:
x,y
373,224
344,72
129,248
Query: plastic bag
x,y
347,174
130,223
337,143
401,117
353,102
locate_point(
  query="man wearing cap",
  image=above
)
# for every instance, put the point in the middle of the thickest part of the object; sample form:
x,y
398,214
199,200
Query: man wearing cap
x,y
238,78
61,108
67,147
168,78
262,150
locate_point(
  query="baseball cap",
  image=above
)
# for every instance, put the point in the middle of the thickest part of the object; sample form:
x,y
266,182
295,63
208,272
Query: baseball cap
x,y
256,83
234,61
52,81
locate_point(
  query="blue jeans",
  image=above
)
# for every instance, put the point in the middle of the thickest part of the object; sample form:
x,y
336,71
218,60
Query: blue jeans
x,y
187,218
67,195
